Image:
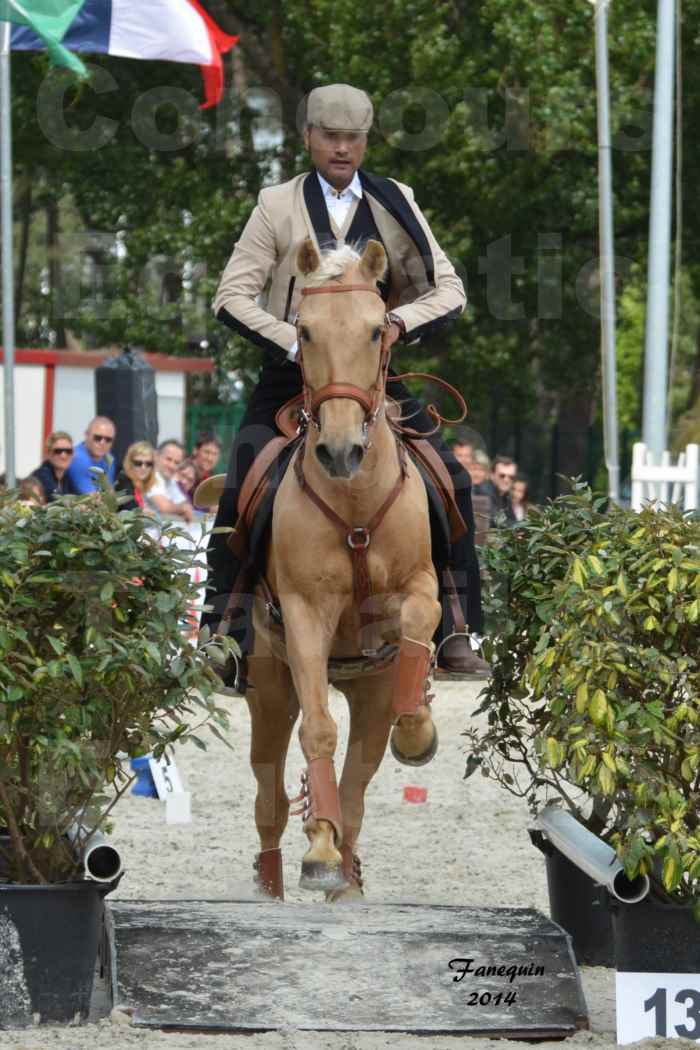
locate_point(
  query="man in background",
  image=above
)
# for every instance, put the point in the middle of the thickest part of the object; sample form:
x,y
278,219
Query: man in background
x,y
463,452
166,496
94,452
502,477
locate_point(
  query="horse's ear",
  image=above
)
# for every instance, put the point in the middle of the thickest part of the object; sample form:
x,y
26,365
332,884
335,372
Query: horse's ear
x,y
373,261
308,258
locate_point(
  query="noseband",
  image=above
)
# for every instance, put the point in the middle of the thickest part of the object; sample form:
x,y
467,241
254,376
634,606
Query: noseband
x,y
370,400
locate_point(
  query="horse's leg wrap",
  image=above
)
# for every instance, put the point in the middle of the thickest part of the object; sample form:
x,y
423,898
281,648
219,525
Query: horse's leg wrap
x,y
411,677
268,873
319,794
352,868
352,873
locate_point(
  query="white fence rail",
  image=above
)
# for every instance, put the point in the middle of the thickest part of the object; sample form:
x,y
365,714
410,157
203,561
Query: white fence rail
x,y
664,482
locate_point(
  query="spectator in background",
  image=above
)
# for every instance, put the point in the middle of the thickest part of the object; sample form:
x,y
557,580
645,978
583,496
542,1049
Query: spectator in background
x,y
502,477
166,496
519,498
205,456
480,471
52,475
137,476
31,492
463,452
94,451
185,478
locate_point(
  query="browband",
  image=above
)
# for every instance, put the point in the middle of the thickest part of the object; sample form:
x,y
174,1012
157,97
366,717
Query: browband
x,y
342,288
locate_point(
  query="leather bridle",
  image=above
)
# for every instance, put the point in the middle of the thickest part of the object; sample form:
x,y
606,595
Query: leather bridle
x,y
371,401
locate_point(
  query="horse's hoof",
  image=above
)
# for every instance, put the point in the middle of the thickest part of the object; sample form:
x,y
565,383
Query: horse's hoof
x,y
416,760
322,875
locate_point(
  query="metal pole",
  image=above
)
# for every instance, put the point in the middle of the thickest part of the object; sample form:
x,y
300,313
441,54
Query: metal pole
x,y
607,255
656,346
8,291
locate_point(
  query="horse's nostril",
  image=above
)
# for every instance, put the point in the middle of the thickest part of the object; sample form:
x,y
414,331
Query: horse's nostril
x,y
325,459
355,456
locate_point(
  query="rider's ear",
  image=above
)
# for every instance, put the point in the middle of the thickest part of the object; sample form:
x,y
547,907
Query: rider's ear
x,y
373,261
308,258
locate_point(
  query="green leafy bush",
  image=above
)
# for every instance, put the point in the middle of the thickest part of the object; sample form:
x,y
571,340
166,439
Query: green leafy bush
x,y
595,695
94,669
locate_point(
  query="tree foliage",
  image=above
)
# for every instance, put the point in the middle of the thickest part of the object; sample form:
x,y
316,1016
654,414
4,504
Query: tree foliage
x,y
596,683
487,111
94,669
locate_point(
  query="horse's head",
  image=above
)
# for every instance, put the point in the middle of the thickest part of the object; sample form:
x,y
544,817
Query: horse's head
x,y
340,326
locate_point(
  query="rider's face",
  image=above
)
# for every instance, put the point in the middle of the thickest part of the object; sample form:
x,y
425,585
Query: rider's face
x,y
336,154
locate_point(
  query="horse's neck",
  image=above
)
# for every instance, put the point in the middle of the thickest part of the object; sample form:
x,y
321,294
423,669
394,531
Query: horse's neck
x,y
358,499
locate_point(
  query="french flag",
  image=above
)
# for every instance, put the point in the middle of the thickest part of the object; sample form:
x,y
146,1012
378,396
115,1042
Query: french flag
x,y
169,30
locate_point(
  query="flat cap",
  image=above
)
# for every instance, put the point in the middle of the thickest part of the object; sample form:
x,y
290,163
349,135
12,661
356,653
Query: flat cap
x,y
339,107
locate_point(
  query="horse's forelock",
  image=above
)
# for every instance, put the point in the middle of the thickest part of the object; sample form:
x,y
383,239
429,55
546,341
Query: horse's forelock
x,y
334,264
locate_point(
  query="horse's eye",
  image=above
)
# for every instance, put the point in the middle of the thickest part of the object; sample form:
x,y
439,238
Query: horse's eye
x,y
304,333
375,334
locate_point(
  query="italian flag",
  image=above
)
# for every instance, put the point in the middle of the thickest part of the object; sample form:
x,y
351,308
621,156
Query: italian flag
x,y
167,30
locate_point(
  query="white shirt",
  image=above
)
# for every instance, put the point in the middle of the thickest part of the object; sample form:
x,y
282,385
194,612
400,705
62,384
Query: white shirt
x,y
339,203
167,487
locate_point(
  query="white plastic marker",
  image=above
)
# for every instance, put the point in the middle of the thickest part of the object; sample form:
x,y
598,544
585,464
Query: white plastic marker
x,y
169,787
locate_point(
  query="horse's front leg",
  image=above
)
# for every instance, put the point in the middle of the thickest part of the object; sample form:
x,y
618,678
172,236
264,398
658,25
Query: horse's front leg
x,y
414,737
308,637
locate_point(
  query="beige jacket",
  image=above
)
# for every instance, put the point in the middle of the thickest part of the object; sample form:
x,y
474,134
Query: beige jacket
x,y
260,288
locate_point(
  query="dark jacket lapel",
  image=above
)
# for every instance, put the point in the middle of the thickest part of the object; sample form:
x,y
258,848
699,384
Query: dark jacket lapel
x,y
392,199
318,212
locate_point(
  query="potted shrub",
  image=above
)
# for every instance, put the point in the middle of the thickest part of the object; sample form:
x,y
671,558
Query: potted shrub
x,y
94,669
595,695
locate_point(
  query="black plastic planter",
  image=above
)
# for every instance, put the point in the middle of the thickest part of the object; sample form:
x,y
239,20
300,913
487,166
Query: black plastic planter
x,y
49,937
655,937
579,906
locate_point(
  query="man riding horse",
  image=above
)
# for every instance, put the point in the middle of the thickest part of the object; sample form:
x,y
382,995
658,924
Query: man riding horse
x,y
258,297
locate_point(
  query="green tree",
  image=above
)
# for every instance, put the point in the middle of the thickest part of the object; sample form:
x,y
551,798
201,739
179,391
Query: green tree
x,y
487,111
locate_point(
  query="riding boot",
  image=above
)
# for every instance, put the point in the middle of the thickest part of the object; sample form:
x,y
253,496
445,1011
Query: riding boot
x,y
224,572
456,656
461,601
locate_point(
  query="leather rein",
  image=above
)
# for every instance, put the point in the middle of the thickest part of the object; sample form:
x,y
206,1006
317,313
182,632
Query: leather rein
x,y
370,400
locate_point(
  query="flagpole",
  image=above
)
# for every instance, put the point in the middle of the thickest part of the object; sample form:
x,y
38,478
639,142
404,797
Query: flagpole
x,y
8,292
654,433
607,253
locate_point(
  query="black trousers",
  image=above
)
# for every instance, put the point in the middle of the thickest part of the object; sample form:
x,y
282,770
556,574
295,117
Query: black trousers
x,y
280,381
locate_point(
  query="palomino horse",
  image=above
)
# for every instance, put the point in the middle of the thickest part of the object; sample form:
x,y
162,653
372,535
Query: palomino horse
x,y
349,567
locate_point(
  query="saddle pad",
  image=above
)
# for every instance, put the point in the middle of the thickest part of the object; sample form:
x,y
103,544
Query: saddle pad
x,y
259,531
439,525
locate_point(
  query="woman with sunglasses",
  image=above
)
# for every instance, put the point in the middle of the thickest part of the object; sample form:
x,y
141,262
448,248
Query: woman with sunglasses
x,y
53,472
137,476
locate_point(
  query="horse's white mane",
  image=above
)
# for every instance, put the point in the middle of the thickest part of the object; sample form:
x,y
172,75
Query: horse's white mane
x,y
334,264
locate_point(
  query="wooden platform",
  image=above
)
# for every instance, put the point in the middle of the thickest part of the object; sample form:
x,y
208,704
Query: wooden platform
x,y
249,966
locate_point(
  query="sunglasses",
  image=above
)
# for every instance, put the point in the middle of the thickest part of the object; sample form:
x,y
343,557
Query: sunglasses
x,y
142,462
61,451
511,476
103,437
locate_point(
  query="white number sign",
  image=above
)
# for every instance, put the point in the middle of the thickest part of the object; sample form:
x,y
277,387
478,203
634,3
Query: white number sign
x,y
657,1004
169,787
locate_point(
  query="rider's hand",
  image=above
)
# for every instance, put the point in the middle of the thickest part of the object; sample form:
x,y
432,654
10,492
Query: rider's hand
x,y
391,335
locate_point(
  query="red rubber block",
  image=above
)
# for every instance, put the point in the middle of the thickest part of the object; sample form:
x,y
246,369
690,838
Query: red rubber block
x,y
412,793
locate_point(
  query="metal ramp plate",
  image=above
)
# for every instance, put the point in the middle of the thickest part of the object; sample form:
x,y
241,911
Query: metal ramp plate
x,y
257,966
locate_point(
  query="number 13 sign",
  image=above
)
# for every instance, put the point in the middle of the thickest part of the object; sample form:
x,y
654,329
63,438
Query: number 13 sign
x,y
657,1004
